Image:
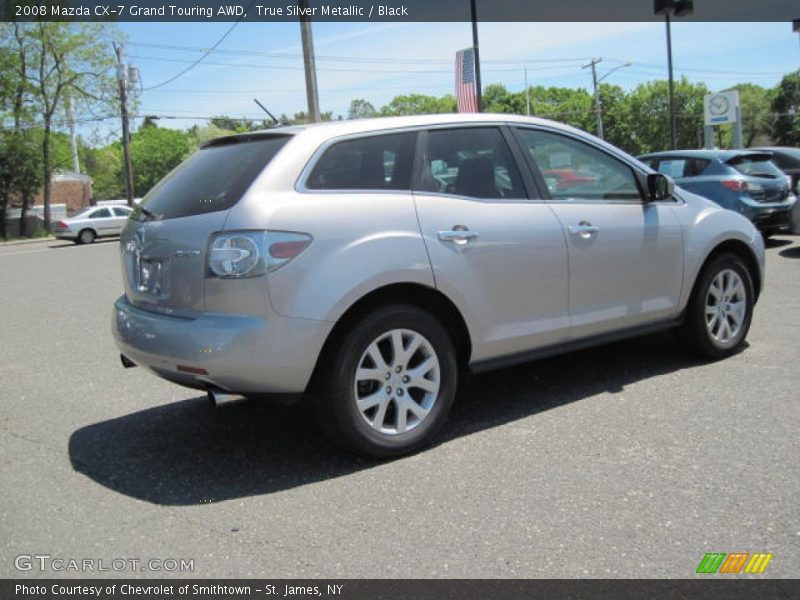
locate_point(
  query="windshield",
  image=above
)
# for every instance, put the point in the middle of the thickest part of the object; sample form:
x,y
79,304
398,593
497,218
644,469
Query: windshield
x,y
756,165
212,179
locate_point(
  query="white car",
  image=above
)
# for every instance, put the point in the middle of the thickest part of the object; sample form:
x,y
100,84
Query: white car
x,y
86,226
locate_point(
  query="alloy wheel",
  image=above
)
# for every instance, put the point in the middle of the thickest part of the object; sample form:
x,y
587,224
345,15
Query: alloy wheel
x,y
397,381
726,307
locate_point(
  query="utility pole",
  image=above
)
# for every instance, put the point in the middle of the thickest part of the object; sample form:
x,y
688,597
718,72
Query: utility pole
x,y
76,166
527,95
308,62
679,8
478,94
597,106
122,80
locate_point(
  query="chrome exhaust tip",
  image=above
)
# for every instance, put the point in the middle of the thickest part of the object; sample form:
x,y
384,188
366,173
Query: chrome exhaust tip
x,y
218,399
126,362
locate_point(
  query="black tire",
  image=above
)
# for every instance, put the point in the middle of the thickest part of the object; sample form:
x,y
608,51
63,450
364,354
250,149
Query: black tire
x,y
86,236
336,388
697,331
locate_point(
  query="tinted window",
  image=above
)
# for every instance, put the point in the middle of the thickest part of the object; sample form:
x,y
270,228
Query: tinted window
x,y
572,169
470,162
213,178
122,212
682,167
379,162
100,214
756,166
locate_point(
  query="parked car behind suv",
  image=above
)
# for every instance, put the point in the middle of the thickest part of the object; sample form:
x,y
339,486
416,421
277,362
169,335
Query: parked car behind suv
x,y
85,226
369,263
745,181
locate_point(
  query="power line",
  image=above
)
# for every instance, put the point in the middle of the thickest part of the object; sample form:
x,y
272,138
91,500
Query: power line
x,y
342,58
209,51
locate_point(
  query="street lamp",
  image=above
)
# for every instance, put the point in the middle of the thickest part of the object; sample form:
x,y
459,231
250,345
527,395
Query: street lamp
x,y
596,82
678,8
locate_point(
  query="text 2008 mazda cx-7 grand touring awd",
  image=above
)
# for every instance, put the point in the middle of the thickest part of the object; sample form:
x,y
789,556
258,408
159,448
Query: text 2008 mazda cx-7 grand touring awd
x,y
368,262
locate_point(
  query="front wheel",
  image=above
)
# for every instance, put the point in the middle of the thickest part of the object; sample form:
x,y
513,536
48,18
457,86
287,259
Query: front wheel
x,y
389,385
721,307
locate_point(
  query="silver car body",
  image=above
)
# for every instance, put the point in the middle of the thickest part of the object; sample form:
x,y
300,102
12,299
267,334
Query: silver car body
x,y
531,282
103,221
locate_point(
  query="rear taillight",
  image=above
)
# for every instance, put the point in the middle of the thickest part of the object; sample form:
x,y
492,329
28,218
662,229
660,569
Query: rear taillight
x,y
737,185
62,225
237,254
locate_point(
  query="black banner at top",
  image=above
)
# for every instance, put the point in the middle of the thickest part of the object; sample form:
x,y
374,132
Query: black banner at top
x,y
398,10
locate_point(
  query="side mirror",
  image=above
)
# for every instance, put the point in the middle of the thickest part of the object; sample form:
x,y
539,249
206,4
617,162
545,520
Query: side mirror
x,y
659,187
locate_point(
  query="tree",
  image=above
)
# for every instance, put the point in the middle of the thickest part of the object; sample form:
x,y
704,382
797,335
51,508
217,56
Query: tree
x,y
361,109
497,99
104,166
65,58
20,172
418,104
786,105
648,113
156,151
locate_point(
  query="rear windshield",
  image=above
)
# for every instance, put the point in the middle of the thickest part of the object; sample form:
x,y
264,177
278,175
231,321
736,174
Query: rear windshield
x,y
212,179
756,165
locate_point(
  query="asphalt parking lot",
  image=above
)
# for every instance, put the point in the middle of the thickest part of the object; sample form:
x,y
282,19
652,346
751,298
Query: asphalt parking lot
x,y
629,460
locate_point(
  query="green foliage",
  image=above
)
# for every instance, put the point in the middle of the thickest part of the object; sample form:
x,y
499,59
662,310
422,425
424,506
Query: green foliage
x,y
648,115
154,153
20,169
361,109
786,103
418,104
104,166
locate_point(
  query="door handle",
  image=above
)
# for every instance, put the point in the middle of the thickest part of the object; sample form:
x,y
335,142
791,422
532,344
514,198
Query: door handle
x,y
459,234
583,229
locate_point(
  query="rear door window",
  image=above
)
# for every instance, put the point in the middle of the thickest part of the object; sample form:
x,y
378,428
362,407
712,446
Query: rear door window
x,y
103,213
474,161
214,178
376,162
682,166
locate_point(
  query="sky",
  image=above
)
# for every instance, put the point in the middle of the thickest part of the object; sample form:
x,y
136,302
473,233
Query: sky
x,y
377,61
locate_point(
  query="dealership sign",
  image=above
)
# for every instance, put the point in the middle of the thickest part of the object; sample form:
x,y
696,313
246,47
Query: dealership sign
x,y
721,108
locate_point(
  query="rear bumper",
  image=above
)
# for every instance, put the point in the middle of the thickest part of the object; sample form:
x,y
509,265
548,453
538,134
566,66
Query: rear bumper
x,y
234,353
771,218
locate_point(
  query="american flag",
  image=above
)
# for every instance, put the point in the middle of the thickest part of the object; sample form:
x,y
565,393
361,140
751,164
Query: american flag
x,y
466,93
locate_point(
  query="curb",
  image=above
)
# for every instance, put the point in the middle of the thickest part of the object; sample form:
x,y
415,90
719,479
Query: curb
x,y
29,241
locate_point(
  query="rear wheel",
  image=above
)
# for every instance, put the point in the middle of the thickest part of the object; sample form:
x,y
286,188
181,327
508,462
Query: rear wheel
x,y
86,236
721,307
389,385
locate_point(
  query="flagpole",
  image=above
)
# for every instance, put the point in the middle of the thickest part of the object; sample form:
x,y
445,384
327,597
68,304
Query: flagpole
x,y
477,56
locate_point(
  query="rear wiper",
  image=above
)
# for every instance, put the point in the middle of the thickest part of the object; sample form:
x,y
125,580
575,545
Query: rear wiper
x,y
148,213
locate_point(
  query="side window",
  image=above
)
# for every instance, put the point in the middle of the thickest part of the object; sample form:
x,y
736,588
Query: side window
x,y
674,167
572,169
378,162
122,212
103,213
472,162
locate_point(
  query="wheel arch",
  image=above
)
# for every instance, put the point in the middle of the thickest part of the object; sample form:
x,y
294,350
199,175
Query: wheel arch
x,y
424,297
743,251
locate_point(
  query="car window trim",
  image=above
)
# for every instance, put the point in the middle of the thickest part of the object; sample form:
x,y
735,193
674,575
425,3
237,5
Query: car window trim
x,y
422,153
638,175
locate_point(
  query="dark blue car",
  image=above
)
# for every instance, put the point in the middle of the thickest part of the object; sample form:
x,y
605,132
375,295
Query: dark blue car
x,y
745,181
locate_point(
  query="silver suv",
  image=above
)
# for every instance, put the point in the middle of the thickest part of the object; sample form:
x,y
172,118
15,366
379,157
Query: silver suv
x,y
369,263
